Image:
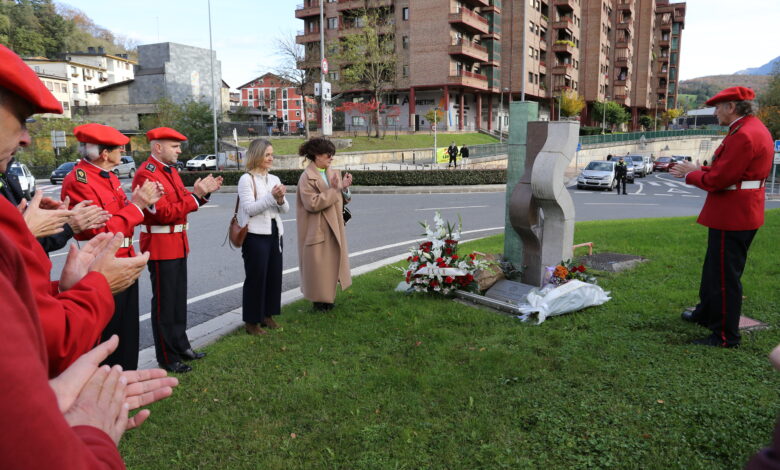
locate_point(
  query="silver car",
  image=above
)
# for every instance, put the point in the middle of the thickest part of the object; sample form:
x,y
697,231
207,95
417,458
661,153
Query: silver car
x,y
642,165
598,174
25,178
126,168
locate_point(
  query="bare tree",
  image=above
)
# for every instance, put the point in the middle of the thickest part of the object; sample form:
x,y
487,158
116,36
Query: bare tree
x,y
290,69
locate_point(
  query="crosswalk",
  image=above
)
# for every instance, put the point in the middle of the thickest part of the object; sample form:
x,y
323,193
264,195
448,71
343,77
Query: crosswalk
x,y
50,189
656,186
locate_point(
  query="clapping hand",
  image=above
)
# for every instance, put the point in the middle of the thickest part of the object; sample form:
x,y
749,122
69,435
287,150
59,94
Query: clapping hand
x,y
346,181
146,194
207,185
278,193
40,221
87,217
680,169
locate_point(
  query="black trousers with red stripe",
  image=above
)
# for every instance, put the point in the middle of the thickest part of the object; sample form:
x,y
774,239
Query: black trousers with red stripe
x,y
720,292
124,324
169,309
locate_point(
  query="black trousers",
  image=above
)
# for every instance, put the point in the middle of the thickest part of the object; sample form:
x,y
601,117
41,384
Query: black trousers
x,y
262,295
169,309
621,180
124,324
453,160
720,292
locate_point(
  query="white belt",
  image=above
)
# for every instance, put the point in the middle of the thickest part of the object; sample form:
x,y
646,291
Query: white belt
x,y
754,184
127,243
165,228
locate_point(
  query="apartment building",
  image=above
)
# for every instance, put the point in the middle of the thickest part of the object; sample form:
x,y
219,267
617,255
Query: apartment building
x,y
118,67
271,93
58,86
81,77
470,57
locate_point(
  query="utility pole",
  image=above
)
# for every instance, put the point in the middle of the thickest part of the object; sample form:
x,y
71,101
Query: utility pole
x,y
435,129
213,89
326,128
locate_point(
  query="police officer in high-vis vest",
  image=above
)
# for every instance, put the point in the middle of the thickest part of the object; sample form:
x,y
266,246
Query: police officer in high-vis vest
x,y
164,236
733,211
101,149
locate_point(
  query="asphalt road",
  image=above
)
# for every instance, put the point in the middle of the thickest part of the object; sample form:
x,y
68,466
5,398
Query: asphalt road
x,y
383,225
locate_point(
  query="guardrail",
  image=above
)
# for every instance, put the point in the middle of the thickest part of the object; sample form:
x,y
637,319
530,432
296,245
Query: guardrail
x,y
631,136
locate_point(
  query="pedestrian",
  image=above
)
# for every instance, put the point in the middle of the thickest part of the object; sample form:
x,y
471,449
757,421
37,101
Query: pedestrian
x,y
164,236
609,157
280,125
322,242
464,153
300,125
101,149
262,203
269,125
621,174
452,151
733,211
74,310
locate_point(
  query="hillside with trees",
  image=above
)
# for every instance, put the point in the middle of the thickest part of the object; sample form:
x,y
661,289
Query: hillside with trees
x,y
44,28
705,87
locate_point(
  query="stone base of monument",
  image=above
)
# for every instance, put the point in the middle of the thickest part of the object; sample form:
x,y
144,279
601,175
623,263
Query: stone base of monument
x,y
505,296
611,262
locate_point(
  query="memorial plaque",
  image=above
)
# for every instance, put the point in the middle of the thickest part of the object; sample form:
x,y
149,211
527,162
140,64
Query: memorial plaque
x,y
510,292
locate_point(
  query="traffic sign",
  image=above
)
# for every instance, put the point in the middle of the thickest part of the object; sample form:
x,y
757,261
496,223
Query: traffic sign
x,y
58,139
324,66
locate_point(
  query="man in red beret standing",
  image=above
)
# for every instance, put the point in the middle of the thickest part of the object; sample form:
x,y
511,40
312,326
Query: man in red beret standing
x,y
164,236
92,180
733,211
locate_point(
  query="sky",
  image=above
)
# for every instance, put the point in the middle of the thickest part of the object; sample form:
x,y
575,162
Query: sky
x,y
720,36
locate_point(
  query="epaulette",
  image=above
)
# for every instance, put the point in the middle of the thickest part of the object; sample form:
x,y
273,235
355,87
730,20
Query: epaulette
x,y
735,130
81,175
150,166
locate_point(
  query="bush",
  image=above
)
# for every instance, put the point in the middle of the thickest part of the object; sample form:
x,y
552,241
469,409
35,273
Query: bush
x,y
376,178
593,130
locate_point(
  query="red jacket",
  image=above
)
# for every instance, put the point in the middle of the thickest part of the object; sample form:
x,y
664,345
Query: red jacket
x,y
33,432
744,155
72,320
89,182
170,210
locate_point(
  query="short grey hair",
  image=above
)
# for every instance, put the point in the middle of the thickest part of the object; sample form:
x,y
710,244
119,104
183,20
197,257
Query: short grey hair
x,y
89,152
744,108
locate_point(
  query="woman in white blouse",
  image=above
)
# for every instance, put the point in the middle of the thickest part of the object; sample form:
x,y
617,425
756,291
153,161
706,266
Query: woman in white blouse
x,y
261,206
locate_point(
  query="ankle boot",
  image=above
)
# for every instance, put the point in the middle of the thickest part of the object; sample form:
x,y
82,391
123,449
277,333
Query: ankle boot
x,y
255,330
269,323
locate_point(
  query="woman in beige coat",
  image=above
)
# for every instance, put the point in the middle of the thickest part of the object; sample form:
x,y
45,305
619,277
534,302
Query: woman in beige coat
x,y
322,243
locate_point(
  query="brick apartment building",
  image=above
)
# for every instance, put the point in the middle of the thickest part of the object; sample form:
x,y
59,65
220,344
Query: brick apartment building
x,y
468,57
273,94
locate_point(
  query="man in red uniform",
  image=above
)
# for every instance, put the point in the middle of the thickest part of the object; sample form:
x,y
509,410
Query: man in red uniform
x,y
74,310
733,211
164,236
92,180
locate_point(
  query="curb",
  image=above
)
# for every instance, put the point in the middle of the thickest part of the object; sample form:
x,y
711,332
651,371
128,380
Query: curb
x,y
477,188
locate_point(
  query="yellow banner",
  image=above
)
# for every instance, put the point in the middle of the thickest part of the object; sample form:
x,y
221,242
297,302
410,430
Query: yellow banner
x,y
442,156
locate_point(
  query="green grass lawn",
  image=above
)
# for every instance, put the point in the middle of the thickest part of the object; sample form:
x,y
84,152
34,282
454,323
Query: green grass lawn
x,y
388,380
389,142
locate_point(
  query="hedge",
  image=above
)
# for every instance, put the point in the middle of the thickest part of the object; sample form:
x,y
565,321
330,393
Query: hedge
x,y
378,177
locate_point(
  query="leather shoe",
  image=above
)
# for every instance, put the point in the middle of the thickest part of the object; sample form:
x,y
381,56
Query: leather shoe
x,y
269,323
714,341
176,367
687,315
255,330
190,355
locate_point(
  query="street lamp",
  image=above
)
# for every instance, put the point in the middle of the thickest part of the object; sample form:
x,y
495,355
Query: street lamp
x,y
435,129
604,115
501,116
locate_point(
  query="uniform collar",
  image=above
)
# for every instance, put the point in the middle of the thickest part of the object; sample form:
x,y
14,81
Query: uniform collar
x,y
735,121
96,169
165,166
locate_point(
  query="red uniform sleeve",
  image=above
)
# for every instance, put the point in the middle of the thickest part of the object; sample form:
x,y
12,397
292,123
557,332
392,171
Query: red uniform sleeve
x,y
33,431
729,166
122,220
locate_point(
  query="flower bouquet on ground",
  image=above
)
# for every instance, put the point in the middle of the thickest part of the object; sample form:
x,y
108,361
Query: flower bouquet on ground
x,y
436,266
565,272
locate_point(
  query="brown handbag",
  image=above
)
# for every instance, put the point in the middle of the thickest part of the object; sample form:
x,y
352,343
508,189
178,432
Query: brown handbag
x,y
237,233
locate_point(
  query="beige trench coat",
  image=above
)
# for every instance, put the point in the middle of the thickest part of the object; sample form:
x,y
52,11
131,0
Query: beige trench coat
x,y
322,243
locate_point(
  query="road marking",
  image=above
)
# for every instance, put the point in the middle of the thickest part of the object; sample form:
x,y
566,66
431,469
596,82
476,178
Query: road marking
x,y
209,206
677,191
641,187
654,183
447,208
670,195
618,204
689,195
237,285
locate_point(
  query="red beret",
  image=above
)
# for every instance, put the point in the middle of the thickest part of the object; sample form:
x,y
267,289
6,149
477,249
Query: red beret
x,y
18,78
164,133
735,93
100,134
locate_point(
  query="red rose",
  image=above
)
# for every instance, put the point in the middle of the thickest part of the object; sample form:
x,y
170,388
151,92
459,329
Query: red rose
x,y
415,258
439,260
469,277
581,268
454,256
448,280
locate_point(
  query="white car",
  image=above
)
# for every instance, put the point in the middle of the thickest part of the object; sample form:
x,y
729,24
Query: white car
x,y
598,174
202,162
125,168
25,178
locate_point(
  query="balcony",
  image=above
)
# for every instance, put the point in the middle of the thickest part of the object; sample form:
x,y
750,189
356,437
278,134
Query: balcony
x,y
664,59
663,42
625,5
478,3
470,50
561,87
542,67
307,36
562,69
621,99
470,79
564,4
565,22
311,8
564,46
353,4
470,20
661,90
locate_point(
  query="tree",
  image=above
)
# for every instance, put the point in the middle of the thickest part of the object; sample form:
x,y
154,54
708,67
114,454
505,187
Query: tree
x,y
368,57
615,113
646,121
769,113
670,115
368,109
191,118
434,115
571,103
291,55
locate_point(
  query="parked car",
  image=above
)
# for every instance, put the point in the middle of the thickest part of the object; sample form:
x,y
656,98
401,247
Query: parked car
x,y
126,168
663,163
203,162
642,165
25,178
61,171
631,169
598,174
179,165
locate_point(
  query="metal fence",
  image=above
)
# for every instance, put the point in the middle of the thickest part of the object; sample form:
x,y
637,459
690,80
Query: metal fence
x,y
631,136
487,150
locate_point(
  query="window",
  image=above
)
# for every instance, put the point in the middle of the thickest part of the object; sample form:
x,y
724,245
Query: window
x,y
284,104
405,71
250,95
405,13
333,23
75,88
65,105
405,42
333,76
358,121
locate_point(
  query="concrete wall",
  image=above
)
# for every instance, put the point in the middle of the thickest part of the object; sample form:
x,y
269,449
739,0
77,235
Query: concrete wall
x,y
697,147
356,159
